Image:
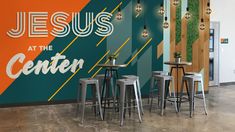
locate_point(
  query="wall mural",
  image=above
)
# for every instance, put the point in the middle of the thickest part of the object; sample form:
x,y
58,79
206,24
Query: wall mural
x,y
44,51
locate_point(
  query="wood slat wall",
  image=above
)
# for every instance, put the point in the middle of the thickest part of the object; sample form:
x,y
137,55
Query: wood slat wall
x,y
200,51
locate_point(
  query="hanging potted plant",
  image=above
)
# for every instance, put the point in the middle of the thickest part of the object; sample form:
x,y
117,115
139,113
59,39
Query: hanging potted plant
x,y
112,59
177,56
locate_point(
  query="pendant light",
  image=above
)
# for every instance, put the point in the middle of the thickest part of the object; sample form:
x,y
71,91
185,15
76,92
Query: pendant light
x,y
119,14
202,25
208,9
138,8
161,10
176,2
165,23
145,33
187,14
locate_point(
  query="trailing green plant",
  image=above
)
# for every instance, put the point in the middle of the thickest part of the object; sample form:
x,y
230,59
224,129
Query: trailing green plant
x,y
178,24
192,27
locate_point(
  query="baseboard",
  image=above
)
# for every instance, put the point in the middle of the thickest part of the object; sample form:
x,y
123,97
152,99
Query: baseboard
x,y
53,102
227,83
37,103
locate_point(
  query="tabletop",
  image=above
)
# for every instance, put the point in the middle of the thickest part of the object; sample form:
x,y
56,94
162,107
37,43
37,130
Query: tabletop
x,y
112,66
178,63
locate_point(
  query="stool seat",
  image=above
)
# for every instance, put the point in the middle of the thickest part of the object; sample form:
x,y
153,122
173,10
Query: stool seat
x,y
193,77
99,76
126,81
160,73
165,77
193,73
88,81
130,77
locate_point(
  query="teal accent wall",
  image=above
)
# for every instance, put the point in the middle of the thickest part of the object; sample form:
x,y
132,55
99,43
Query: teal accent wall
x,y
38,88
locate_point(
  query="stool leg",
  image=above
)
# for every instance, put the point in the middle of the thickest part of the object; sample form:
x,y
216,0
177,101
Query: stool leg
x,y
191,88
158,94
140,97
93,91
167,85
151,94
83,100
162,82
78,100
181,93
113,93
151,89
203,95
173,87
137,102
122,99
169,89
99,102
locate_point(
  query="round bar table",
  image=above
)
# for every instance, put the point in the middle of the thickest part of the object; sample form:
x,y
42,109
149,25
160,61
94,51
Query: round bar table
x,y
111,73
177,66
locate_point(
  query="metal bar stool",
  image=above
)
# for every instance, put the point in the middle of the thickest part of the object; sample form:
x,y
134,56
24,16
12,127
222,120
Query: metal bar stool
x,y
106,96
152,90
100,78
192,78
162,79
123,83
82,91
134,77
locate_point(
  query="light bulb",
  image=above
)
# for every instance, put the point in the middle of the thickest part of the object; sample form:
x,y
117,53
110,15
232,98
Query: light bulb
x,y
176,2
187,14
119,14
165,24
138,8
208,9
161,10
145,32
202,25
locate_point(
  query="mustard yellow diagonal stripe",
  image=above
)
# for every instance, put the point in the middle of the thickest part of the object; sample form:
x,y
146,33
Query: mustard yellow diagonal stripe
x,y
116,8
64,84
139,51
98,61
76,37
101,41
99,70
115,53
111,13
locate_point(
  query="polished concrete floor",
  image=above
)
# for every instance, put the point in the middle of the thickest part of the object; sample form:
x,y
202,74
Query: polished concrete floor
x,y
61,118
